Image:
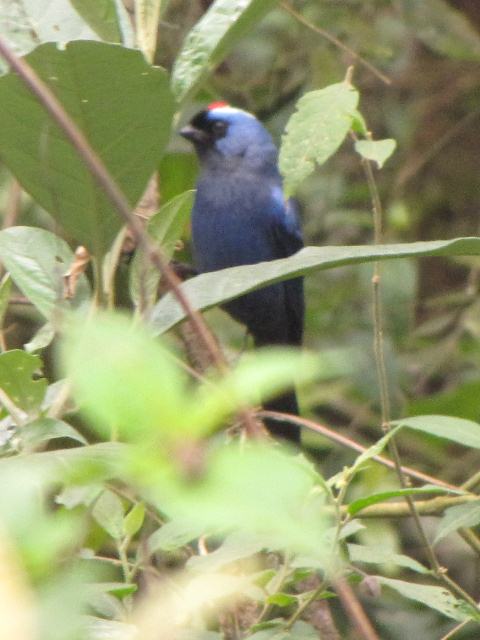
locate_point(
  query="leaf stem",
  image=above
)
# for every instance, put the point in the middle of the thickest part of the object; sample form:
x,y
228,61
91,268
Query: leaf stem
x,y
439,571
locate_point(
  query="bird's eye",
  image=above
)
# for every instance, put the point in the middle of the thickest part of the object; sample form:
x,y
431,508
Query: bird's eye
x,y
219,128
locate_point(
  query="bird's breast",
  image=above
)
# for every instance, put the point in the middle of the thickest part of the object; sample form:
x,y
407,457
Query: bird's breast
x,y
230,223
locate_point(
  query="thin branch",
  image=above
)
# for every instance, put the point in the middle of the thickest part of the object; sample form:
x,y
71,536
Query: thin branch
x,y
354,610
328,36
439,571
336,437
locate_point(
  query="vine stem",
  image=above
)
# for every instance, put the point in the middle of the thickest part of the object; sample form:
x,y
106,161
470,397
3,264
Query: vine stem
x,y
104,180
335,41
439,571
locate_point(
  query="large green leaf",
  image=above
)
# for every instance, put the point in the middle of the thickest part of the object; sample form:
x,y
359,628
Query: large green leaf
x,y
123,106
210,289
208,42
315,131
37,261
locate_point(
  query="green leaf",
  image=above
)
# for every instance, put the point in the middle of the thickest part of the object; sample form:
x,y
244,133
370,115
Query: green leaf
x,y
237,546
315,131
124,379
147,16
101,629
437,598
259,490
101,16
45,429
282,599
299,631
119,589
211,38
378,555
55,21
173,535
37,261
134,520
210,289
377,150
108,512
461,515
124,108
458,430
165,228
42,338
16,371
357,505
5,289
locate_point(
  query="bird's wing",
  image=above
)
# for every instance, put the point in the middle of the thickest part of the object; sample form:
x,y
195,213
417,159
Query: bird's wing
x,y
285,225
288,240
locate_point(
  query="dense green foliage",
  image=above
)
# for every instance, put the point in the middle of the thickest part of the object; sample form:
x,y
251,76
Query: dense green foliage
x,y
134,503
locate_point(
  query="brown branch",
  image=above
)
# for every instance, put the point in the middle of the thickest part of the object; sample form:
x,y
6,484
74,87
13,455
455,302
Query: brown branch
x,y
354,610
334,436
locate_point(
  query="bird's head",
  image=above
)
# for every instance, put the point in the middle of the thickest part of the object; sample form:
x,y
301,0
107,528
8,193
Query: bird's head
x,y
224,136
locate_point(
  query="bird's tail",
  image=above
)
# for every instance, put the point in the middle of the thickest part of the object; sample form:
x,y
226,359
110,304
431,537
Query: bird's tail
x,y
285,403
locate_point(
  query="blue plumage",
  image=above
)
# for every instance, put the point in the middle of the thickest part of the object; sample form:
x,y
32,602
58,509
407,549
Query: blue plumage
x,y
240,217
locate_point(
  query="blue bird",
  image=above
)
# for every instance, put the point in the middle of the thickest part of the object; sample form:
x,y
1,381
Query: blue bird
x,y
240,217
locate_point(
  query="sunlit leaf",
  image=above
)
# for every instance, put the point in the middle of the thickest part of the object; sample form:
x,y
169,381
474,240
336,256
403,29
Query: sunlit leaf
x,y
377,150
134,519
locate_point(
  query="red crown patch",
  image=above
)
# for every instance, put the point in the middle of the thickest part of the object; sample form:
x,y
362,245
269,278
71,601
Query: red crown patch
x,y
217,105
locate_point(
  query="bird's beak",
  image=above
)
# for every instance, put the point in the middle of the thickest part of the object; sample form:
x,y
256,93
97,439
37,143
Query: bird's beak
x,y
193,134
